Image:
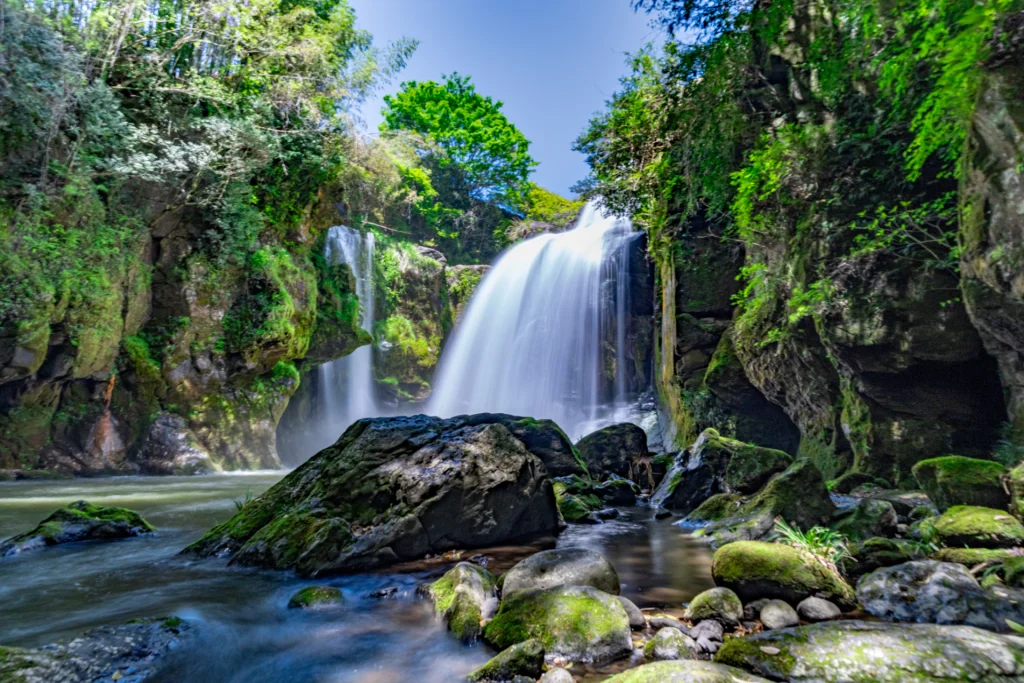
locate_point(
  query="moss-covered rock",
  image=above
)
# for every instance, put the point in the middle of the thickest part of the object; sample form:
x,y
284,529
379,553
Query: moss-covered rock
x,y
80,521
843,651
617,491
562,567
578,623
462,596
875,553
720,604
670,643
971,557
462,282
979,527
867,518
685,671
575,507
393,489
316,597
851,480
522,659
956,480
750,468
612,450
754,569
1013,571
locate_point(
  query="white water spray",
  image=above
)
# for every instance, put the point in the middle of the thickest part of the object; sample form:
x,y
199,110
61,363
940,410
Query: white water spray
x,y
532,341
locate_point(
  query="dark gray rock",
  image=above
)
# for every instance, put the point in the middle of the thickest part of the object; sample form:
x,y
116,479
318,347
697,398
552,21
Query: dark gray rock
x,y
778,614
817,609
637,621
612,450
170,447
708,635
670,643
80,521
562,567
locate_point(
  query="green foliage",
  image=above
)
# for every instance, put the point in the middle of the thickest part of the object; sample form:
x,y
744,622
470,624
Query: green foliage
x,y
822,544
546,206
486,156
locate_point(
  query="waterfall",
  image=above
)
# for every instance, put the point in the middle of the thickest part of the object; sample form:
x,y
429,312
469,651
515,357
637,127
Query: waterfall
x,y
535,336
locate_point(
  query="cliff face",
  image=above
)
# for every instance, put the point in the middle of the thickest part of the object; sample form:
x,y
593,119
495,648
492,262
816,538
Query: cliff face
x,y
84,375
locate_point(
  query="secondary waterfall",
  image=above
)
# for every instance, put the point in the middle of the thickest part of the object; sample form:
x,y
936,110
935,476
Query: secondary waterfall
x,y
544,334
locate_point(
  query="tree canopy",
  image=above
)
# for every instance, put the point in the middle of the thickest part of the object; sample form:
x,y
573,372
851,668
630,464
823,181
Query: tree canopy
x,y
485,155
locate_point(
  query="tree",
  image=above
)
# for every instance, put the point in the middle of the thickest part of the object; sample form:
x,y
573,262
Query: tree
x,y
485,156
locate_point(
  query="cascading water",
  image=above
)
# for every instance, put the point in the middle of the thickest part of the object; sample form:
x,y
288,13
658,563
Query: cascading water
x,y
532,341
344,390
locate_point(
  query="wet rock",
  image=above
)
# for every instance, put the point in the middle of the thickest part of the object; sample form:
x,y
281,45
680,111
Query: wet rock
x,y
557,675
316,597
904,501
464,597
816,609
750,468
778,614
875,553
670,643
754,569
979,527
637,621
578,623
385,593
708,635
562,567
938,593
668,622
80,521
955,480
685,671
130,653
866,519
851,480
612,450
842,651
752,609
393,489
617,491
170,447
720,604
521,659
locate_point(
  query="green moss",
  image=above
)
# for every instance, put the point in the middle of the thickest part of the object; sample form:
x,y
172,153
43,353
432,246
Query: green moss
x,y
971,557
750,467
1013,571
979,527
956,480
522,659
717,507
776,570
743,653
316,596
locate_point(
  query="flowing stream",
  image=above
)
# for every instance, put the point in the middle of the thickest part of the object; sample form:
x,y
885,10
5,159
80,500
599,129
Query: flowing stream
x,y
533,338
247,631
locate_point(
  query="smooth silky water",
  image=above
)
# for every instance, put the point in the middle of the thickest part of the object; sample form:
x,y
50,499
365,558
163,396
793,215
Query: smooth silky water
x,y
247,633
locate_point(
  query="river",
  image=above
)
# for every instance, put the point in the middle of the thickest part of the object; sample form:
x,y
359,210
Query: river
x,y
247,633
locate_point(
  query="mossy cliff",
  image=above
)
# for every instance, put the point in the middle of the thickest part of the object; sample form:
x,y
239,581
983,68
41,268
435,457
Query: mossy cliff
x,y
836,277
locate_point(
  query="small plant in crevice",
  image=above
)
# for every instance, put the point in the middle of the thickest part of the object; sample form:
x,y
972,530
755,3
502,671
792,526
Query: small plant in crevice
x,y
1009,450
825,546
242,504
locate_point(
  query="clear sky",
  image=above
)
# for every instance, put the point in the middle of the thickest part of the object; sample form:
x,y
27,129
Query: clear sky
x,y
552,62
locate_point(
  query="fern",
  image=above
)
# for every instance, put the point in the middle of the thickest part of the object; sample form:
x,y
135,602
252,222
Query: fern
x,y
827,547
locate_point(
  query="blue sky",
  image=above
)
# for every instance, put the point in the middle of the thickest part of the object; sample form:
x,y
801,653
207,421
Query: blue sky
x,y
552,62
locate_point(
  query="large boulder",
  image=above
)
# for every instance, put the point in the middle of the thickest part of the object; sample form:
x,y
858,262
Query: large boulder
x,y
844,651
464,597
753,569
139,649
393,489
685,671
543,438
938,593
866,519
612,450
170,447
80,521
578,623
978,527
956,480
562,567
705,470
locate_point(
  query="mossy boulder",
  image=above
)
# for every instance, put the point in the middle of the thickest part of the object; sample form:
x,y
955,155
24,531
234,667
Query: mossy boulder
x,y
579,623
875,553
80,521
317,597
719,604
979,527
545,439
926,591
612,450
617,491
463,597
750,468
670,643
956,480
575,506
522,659
562,567
754,569
798,495
971,557
685,671
393,489
844,651
866,519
